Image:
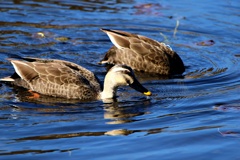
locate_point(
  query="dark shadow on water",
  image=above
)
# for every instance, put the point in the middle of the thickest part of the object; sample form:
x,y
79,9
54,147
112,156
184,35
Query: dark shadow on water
x,y
83,134
21,152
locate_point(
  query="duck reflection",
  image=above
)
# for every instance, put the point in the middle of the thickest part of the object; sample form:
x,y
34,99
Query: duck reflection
x,y
115,112
119,113
111,113
83,134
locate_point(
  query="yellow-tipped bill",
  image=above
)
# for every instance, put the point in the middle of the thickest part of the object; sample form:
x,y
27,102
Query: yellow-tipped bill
x,y
138,87
148,93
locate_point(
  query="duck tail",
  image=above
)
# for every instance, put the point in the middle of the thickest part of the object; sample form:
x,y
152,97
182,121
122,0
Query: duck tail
x,y
7,79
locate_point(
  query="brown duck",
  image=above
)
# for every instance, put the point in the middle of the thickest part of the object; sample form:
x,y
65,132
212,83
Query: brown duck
x,y
142,54
65,79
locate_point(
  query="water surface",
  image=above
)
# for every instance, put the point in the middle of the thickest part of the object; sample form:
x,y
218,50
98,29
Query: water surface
x,y
194,116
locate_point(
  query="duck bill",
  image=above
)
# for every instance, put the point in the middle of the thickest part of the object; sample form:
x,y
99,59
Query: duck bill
x,y
138,87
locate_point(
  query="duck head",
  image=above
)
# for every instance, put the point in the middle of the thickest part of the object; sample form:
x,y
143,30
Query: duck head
x,y
121,75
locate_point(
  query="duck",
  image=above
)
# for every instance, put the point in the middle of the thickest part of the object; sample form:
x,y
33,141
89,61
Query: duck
x,y
142,53
59,78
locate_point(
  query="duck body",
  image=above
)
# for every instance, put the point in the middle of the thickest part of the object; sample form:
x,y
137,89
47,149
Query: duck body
x,y
60,78
142,54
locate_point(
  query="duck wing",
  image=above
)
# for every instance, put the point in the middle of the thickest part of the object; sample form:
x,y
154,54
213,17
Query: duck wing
x,y
85,73
142,53
57,78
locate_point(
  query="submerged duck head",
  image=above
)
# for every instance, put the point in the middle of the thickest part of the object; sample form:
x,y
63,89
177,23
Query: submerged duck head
x,y
121,75
142,53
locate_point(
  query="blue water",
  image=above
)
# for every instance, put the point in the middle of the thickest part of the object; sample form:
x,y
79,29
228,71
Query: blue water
x,y
194,117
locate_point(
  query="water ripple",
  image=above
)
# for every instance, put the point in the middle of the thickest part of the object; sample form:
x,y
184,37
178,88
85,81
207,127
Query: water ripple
x,y
199,109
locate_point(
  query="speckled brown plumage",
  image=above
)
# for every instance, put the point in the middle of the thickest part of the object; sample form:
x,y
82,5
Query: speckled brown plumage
x,y
59,78
142,54
56,78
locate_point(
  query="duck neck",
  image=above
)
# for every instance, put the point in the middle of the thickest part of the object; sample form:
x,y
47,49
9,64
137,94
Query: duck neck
x,y
109,90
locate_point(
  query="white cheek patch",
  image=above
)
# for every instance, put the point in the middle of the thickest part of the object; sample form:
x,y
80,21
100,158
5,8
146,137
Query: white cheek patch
x,y
119,69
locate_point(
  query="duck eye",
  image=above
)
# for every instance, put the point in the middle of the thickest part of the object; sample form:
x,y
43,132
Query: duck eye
x,y
126,72
129,81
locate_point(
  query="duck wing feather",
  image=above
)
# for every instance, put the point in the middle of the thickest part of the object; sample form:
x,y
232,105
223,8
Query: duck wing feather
x,y
142,53
57,78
